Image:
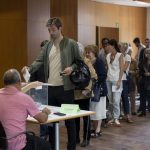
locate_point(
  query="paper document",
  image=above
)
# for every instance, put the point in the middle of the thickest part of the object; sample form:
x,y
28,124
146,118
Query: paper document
x,y
114,89
47,84
26,75
69,108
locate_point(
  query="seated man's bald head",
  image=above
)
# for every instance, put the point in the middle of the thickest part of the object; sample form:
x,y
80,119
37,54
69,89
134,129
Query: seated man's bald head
x,y
11,76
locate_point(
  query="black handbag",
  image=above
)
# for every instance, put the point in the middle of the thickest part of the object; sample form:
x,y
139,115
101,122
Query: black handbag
x,y
97,92
36,143
81,76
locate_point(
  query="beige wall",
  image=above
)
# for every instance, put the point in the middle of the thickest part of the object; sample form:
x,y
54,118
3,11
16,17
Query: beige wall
x,y
38,12
130,20
148,23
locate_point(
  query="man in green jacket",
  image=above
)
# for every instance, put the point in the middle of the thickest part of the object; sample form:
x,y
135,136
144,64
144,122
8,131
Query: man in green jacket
x,y
58,57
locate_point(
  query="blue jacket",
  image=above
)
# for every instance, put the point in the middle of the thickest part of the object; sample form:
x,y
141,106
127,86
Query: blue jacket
x,y
101,73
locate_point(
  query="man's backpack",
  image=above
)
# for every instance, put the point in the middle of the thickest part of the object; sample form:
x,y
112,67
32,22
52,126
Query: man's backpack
x,y
81,76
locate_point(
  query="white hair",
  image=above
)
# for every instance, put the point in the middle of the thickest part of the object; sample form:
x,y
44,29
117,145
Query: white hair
x,y
81,48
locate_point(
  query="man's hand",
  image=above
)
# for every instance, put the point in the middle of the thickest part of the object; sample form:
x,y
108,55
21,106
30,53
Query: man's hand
x,y
67,71
23,70
147,73
46,111
43,116
86,92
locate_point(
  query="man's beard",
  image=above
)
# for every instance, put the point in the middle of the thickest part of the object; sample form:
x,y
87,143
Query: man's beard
x,y
53,37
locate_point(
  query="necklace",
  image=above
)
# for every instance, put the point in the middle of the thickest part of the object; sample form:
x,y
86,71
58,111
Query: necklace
x,y
112,57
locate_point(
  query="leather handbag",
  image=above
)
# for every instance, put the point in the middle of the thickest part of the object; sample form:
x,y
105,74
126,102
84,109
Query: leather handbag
x,y
81,76
97,92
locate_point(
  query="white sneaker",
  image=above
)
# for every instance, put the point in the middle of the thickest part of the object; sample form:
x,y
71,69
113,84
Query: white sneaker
x,y
117,123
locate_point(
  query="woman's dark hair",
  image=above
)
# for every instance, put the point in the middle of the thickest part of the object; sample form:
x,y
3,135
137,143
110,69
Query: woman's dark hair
x,y
136,40
114,43
105,40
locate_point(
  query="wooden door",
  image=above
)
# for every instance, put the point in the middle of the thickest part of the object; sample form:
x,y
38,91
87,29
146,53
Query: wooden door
x,y
103,32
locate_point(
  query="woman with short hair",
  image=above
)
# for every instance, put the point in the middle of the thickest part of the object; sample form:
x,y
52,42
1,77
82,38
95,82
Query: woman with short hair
x,y
91,52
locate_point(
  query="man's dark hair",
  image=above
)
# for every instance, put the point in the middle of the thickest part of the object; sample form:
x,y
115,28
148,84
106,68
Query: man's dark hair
x,y
136,40
54,21
146,39
11,76
105,41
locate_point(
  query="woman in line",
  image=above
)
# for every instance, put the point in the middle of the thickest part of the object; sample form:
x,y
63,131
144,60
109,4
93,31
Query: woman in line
x,y
91,52
125,81
82,98
114,80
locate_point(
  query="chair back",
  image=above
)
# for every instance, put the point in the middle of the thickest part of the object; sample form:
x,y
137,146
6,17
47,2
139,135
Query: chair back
x,y
3,138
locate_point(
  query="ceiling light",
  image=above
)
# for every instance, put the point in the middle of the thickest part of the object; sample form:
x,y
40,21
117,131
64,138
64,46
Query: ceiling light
x,y
141,3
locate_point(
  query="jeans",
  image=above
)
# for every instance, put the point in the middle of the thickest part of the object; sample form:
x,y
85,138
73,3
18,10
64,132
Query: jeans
x,y
114,100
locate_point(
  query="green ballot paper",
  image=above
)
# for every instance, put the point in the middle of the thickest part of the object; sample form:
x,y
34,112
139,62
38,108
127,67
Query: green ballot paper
x,y
69,108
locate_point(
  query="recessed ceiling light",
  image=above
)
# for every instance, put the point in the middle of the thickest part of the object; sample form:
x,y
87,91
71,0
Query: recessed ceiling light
x,y
142,3
135,3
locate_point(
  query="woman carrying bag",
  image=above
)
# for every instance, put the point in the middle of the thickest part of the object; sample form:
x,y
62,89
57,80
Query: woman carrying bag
x,y
91,52
82,98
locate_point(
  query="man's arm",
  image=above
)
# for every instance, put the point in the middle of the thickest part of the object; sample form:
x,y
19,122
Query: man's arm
x,y
42,116
31,85
121,64
76,55
76,52
37,63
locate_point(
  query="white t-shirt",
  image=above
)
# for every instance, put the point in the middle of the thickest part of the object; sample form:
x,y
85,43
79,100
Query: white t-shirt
x,y
126,58
113,68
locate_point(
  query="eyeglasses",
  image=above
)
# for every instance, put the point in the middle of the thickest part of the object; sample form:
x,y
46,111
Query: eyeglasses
x,y
88,52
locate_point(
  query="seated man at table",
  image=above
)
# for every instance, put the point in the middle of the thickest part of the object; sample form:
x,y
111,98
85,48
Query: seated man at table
x,y
14,110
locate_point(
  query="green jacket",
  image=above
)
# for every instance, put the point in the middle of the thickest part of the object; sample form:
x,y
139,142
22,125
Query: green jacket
x,y
69,51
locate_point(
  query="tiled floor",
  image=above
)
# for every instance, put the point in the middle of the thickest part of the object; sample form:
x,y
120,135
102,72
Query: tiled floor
x,y
135,136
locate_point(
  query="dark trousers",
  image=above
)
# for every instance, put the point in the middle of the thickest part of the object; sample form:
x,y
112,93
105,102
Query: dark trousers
x,y
142,96
83,104
56,97
36,143
124,96
146,96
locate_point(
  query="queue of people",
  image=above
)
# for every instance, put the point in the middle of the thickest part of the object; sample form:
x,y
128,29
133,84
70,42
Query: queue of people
x,y
112,67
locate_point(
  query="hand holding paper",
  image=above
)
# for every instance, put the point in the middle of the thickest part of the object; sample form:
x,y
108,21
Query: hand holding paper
x,y
26,75
114,89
